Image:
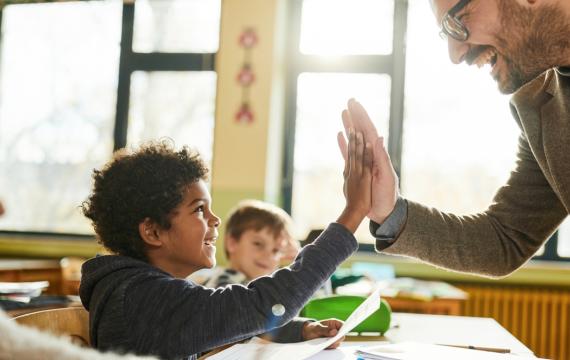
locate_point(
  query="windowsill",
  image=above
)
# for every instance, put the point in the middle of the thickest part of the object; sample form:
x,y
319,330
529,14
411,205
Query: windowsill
x,y
535,272
545,273
38,246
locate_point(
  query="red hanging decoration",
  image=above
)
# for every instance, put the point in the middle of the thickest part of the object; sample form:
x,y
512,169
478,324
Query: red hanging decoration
x,y
245,78
248,38
244,114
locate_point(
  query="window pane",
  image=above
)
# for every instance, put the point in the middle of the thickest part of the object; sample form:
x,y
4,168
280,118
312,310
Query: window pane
x,y
460,139
177,26
57,106
317,188
347,27
177,105
564,239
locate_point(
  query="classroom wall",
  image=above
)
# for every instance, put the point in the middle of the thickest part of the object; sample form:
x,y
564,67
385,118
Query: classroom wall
x,y
247,156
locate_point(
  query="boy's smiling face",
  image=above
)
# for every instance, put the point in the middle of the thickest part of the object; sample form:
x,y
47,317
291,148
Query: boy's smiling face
x,y
255,253
189,244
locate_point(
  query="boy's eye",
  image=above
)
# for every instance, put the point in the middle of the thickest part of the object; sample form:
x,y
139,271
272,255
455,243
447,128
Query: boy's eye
x,y
199,209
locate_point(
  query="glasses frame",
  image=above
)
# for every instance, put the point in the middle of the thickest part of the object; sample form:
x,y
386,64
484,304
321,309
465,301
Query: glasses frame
x,y
452,26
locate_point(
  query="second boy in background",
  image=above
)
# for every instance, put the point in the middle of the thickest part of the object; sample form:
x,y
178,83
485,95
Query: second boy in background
x,y
257,238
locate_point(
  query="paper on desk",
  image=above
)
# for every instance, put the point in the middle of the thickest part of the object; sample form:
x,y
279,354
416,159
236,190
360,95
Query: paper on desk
x,y
256,350
419,351
23,288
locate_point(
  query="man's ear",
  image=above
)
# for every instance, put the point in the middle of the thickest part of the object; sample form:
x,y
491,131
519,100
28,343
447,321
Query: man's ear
x,y
148,231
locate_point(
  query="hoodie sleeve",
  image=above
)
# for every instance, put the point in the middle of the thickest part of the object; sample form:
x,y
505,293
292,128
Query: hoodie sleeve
x,y
175,318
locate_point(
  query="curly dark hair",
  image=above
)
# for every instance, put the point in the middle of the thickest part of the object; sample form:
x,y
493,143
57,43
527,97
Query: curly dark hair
x,y
147,183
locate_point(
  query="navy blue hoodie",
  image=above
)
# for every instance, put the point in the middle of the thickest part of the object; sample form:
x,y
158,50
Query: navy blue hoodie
x,y
137,308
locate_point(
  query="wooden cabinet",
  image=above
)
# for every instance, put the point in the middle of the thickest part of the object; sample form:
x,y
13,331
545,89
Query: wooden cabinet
x,y
434,307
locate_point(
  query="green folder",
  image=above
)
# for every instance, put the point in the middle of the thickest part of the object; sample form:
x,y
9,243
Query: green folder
x,y
341,306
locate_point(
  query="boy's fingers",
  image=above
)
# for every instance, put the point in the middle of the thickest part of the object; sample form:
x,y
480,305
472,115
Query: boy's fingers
x,y
336,343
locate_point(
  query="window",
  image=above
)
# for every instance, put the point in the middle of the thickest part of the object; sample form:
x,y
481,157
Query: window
x,y
183,104
329,64
56,109
444,163
434,143
95,89
179,26
564,239
320,99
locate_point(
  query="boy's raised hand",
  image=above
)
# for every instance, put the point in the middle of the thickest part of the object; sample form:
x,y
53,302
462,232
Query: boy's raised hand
x,y
323,328
384,178
357,181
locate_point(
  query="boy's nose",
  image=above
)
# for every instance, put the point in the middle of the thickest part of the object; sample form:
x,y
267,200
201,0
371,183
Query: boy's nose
x,y
214,221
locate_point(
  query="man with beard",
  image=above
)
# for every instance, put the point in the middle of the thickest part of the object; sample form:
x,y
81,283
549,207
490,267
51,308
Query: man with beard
x,y
527,44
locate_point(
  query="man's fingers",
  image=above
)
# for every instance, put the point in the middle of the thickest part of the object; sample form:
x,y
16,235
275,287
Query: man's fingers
x,y
343,147
368,158
359,153
383,155
346,121
351,150
361,121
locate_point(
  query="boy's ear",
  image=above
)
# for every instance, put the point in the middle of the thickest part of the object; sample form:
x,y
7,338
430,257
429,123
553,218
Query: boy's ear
x,y
148,231
231,243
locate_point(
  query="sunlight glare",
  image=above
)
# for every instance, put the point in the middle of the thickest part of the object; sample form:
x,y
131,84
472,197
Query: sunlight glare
x,y
341,27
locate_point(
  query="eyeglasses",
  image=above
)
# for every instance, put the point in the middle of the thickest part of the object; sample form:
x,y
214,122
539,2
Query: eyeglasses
x,y
452,26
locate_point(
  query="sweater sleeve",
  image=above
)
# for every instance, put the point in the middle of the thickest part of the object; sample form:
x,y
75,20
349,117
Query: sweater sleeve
x,y
524,213
174,318
290,332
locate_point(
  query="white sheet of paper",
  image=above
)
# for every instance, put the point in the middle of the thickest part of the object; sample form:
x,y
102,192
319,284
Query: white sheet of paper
x,y
255,350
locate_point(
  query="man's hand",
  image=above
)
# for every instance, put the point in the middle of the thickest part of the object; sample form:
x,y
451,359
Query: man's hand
x,y
324,328
384,179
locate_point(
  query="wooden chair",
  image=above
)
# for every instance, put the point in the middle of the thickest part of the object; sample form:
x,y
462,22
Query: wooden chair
x,y
72,322
70,275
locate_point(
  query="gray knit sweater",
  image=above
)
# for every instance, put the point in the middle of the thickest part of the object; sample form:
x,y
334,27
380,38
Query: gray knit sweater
x,y
137,308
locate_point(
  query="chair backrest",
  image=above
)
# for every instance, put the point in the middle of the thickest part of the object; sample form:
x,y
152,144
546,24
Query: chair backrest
x,y
72,322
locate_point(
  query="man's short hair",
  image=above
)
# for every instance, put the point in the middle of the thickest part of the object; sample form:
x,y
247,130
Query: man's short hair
x,y
257,215
146,183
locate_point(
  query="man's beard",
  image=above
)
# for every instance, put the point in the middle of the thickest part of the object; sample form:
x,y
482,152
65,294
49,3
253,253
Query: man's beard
x,y
531,42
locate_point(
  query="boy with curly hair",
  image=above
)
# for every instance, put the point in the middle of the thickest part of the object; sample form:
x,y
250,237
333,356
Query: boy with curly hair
x,y
151,208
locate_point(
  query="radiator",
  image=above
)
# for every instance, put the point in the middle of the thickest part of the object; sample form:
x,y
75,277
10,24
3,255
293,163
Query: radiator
x,y
537,317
